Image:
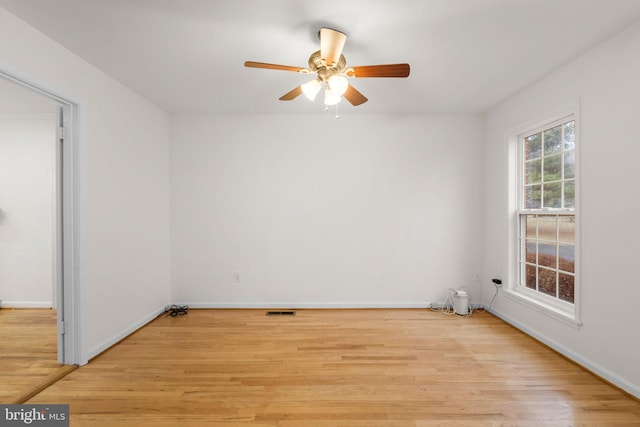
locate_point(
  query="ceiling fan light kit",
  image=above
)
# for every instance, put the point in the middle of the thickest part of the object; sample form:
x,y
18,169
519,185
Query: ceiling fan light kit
x,y
311,89
331,98
331,70
338,84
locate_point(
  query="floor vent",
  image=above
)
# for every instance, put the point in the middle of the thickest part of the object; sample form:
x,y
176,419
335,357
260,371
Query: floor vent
x,y
281,313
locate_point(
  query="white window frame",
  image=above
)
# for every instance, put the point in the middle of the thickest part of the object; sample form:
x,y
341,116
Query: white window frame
x,y
551,306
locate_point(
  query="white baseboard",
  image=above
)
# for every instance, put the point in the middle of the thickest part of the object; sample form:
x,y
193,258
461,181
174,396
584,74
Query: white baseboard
x,y
125,333
301,305
632,389
26,304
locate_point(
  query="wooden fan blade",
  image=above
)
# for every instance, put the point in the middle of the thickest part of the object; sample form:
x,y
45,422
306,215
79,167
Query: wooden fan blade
x,y
292,94
354,96
387,70
331,44
267,66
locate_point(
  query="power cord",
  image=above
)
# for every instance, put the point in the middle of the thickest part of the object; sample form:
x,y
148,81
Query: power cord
x,y
445,307
498,284
178,310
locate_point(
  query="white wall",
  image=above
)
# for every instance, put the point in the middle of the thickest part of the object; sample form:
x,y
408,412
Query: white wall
x,y
363,211
605,82
27,148
123,185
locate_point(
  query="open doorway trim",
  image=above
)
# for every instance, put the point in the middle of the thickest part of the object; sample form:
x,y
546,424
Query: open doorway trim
x,y
69,313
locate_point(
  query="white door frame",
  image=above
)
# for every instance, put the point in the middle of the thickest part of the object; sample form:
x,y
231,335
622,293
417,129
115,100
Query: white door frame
x,y
68,295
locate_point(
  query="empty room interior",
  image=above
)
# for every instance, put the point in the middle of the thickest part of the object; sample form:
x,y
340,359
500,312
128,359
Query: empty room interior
x,y
337,213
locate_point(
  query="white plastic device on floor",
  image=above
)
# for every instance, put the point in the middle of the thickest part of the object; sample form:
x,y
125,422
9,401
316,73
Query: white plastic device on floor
x,y
460,303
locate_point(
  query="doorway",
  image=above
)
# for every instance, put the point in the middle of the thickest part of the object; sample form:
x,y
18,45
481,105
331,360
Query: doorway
x,y
28,202
35,108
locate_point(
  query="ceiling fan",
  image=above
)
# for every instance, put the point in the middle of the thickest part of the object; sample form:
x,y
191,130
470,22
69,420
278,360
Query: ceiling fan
x,y
331,69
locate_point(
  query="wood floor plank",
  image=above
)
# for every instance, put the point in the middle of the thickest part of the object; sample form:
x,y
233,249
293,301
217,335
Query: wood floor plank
x,y
28,350
336,368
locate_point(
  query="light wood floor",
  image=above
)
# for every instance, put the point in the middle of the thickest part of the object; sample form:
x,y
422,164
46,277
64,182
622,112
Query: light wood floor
x,y
28,350
336,368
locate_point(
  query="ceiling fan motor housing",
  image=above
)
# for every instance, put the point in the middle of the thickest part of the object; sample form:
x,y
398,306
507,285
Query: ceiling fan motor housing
x,y
318,65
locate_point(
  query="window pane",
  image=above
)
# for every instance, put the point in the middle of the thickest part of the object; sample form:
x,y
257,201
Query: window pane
x,y
569,164
553,168
530,251
566,258
533,195
547,255
530,279
570,135
567,228
569,194
553,195
533,146
547,227
553,140
566,287
530,226
547,281
533,172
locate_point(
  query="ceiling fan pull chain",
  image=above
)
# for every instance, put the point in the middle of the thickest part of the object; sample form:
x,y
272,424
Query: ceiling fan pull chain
x,y
337,112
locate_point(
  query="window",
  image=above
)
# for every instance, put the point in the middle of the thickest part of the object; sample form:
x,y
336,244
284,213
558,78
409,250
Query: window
x,y
546,216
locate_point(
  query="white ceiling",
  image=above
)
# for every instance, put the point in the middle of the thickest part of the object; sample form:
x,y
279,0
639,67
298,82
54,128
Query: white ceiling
x,y
186,56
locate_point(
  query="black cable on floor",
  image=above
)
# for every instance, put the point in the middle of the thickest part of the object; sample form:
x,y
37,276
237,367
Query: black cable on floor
x,y
178,310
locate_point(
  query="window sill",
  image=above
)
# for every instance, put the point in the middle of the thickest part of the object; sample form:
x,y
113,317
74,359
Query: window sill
x,y
546,309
